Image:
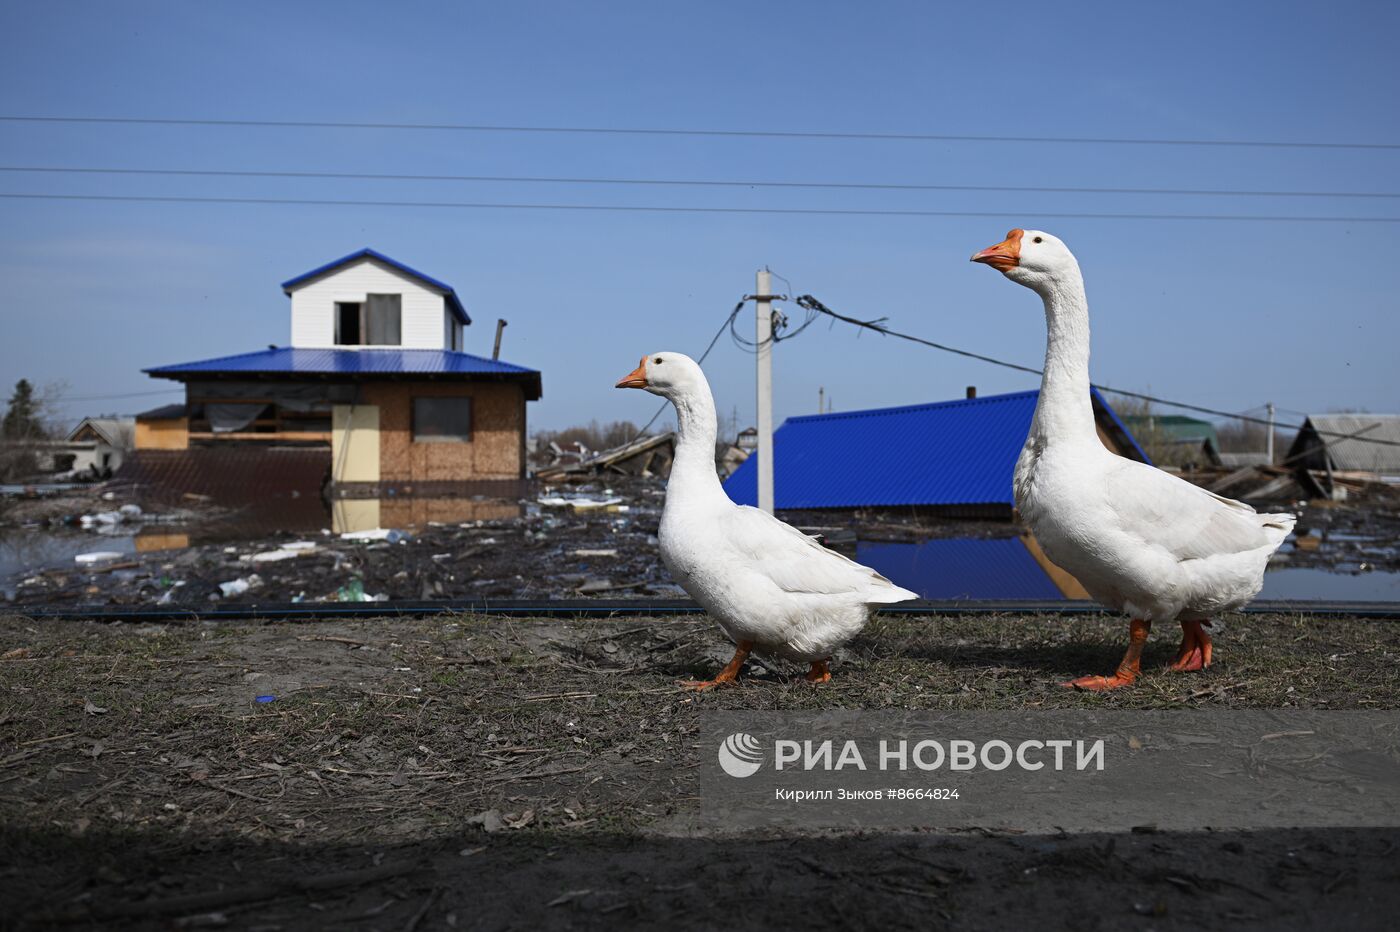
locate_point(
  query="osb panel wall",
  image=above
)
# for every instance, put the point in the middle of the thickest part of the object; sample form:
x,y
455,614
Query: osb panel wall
x,y
172,434
496,450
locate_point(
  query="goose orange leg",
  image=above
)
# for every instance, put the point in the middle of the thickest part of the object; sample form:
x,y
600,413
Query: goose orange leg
x,y
729,674
820,673
1128,669
1195,647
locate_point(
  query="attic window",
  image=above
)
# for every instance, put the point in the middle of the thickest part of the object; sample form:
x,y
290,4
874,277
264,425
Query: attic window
x,y
376,321
347,322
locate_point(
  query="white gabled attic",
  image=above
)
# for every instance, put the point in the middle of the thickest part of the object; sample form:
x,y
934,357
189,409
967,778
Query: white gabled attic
x,y
367,300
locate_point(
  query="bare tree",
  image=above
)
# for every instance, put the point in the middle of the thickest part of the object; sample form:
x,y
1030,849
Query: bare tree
x,y
31,420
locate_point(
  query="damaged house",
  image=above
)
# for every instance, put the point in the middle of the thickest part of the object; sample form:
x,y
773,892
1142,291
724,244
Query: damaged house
x,y
100,444
1335,449
375,385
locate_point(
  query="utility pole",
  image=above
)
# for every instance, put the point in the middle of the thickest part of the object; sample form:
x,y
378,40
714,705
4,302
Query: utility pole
x,y
1269,441
763,335
821,400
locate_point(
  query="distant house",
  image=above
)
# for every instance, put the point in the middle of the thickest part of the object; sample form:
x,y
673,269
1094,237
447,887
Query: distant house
x,y
1182,441
1354,445
375,377
1239,460
954,457
100,444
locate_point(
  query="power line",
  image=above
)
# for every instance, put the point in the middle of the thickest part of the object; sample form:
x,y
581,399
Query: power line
x,y
683,182
629,208
65,399
723,133
811,304
713,340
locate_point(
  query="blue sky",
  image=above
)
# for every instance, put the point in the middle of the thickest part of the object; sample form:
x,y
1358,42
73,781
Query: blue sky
x,y
1224,314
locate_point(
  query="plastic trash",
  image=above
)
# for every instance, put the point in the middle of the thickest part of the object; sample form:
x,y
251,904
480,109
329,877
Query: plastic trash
x,y
271,556
579,504
239,586
97,556
265,698
392,535
234,587
353,591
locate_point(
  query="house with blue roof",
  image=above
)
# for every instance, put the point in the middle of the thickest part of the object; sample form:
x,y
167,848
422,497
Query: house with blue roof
x,y
954,458
951,459
375,375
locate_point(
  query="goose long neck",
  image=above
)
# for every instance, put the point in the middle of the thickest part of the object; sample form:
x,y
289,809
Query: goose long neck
x,y
696,427
1064,409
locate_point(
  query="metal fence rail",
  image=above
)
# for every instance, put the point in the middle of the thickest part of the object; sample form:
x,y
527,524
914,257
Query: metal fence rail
x,y
607,608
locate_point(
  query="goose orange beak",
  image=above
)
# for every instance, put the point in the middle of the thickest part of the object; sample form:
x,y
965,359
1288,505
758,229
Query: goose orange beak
x,y
637,378
1004,255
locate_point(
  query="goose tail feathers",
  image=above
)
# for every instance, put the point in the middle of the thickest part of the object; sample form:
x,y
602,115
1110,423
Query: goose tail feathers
x,y
1277,527
888,594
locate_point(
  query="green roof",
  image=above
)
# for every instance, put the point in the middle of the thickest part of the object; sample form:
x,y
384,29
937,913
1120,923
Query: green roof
x,y
1176,428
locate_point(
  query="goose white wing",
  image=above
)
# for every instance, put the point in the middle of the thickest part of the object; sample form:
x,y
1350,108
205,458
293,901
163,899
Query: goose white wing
x,y
799,564
1184,519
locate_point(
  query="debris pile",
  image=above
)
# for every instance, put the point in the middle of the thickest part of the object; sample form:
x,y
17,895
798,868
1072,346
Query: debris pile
x,y
588,541
644,456
573,540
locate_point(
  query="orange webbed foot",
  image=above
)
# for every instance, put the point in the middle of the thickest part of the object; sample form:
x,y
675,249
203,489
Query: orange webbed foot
x,y
700,686
819,673
1128,669
1100,683
729,676
1195,650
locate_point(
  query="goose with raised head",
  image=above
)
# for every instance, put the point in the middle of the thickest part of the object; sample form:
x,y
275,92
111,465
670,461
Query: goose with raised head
x,y
771,588
1140,540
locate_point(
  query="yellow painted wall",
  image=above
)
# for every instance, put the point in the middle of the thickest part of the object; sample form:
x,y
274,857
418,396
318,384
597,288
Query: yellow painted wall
x,y
354,514
355,443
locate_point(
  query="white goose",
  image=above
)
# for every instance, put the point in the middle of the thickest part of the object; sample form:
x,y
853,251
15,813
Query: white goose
x,y
1140,540
771,588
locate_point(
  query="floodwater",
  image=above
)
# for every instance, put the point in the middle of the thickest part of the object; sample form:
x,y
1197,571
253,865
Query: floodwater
x,y
979,568
1338,564
1313,583
26,550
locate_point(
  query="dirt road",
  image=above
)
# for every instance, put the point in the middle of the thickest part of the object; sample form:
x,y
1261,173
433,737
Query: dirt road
x,y
483,773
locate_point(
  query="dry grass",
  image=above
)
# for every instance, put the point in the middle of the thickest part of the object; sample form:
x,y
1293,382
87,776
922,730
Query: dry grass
x,y
119,739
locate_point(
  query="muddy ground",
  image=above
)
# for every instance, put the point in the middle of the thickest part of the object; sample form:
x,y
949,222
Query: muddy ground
x,y
485,773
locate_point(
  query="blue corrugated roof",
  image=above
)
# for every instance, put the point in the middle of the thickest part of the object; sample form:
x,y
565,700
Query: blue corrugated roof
x,y
286,360
453,301
949,453
961,568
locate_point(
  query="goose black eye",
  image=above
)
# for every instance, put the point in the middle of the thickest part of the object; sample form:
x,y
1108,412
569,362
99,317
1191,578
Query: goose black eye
x,y
1039,239
657,360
